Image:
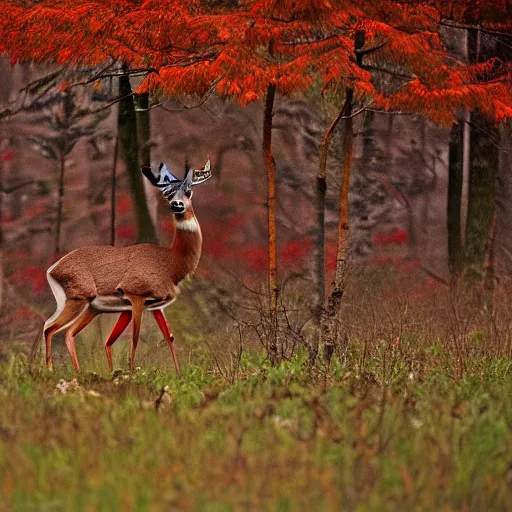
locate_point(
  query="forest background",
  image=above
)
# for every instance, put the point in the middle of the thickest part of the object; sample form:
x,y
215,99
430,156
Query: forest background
x,y
356,230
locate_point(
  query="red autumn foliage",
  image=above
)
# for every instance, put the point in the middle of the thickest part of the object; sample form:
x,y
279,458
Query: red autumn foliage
x,y
255,257
8,155
391,238
385,260
295,251
32,277
34,211
124,204
191,47
124,233
22,314
166,227
194,47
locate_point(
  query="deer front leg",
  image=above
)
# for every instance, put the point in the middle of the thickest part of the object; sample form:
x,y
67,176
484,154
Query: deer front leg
x,y
81,322
122,322
169,337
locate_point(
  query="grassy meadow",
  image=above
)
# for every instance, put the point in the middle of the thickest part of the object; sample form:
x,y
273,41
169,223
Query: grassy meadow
x,y
414,413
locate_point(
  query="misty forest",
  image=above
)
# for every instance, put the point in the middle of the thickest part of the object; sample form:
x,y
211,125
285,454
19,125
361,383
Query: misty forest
x,y
328,327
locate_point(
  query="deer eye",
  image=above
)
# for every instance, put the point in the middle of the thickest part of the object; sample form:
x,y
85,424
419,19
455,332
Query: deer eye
x,y
188,193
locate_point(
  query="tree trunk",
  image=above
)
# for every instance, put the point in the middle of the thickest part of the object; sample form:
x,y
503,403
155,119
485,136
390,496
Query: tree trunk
x,y
484,164
58,227
489,280
270,166
127,129
484,170
113,194
144,132
2,164
319,247
503,247
455,159
329,323
143,127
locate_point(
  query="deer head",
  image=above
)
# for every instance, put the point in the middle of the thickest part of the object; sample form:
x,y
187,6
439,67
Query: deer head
x,y
178,192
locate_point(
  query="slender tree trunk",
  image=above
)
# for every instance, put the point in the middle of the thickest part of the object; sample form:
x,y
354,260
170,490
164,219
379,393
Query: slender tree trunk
x,y
62,168
319,247
503,206
453,217
113,194
343,224
144,132
489,280
2,164
143,127
484,170
465,177
127,129
484,163
329,323
270,166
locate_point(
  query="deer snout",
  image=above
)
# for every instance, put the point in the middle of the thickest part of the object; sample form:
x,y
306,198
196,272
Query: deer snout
x,y
177,206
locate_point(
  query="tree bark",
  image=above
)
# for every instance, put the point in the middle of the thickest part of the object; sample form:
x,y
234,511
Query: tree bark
x,y
484,163
489,280
503,207
482,187
270,166
466,160
2,164
60,201
319,247
128,140
329,323
143,127
453,218
113,194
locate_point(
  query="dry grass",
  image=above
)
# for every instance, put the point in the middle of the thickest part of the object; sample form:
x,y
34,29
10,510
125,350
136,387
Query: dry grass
x,y
414,413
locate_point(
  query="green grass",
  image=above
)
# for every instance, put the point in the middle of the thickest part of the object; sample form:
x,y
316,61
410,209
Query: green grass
x,y
394,431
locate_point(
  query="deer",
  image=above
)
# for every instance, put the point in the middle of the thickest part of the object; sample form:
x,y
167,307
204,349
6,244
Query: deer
x,y
93,280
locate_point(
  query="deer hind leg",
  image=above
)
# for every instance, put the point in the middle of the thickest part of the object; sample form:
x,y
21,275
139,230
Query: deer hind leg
x,y
137,309
72,309
118,329
169,337
82,321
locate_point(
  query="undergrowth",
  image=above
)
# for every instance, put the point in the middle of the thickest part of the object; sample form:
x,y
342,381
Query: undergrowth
x,y
413,412
373,434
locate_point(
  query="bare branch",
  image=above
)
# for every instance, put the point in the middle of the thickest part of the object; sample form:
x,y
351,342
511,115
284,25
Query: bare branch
x,y
463,26
369,51
12,188
357,112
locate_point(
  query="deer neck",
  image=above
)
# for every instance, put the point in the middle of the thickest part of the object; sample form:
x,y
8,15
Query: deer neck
x,y
187,243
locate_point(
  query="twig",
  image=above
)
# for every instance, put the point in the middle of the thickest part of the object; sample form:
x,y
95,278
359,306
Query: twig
x,y
435,276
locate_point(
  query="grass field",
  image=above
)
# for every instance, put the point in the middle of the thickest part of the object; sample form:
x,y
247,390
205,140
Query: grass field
x,y
415,413
400,432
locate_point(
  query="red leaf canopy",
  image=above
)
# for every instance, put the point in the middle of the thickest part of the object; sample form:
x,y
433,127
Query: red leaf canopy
x,y
189,47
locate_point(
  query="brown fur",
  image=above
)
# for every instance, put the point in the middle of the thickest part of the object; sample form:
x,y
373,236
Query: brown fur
x,y
145,270
135,274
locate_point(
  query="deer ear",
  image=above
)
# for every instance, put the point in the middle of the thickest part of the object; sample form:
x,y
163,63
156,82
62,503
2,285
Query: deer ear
x,y
164,178
201,175
146,170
